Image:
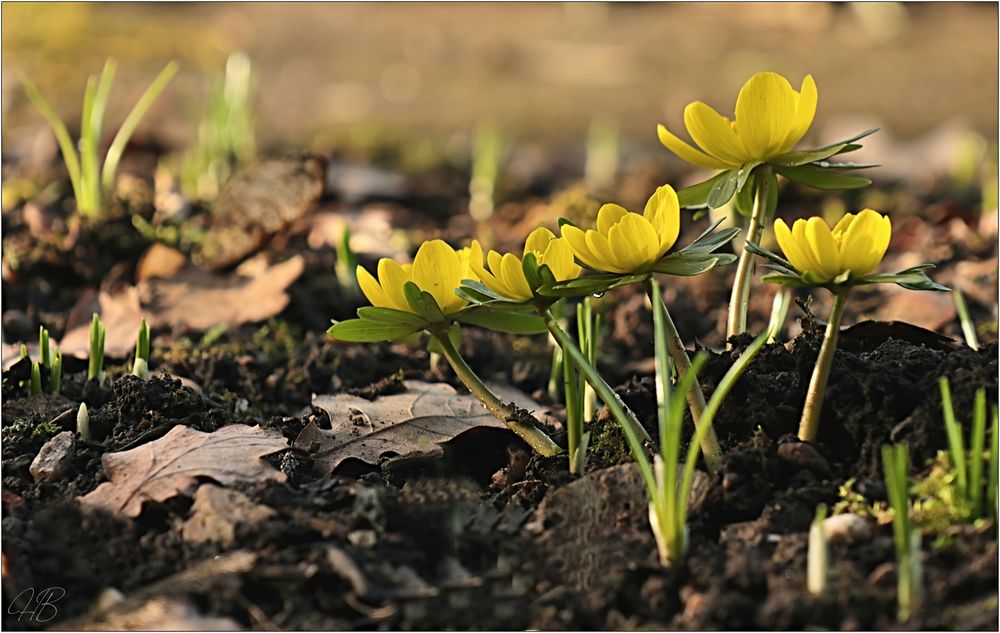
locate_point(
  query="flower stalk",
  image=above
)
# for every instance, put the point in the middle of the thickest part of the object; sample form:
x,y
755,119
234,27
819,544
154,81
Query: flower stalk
x,y
538,440
634,432
809,424
739,300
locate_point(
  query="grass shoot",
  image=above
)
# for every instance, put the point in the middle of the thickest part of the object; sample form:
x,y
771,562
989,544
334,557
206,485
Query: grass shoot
x,y
968,466
909,568
91,176
95,366
140,367
818,557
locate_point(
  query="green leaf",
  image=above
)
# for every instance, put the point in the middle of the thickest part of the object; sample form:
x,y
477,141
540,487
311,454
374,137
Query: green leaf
x,y
687,265
422,303
529,266
772,195
563,221
794,159
454,337
477,292
745,197
822,178
743,174
793,281
911,280
770,256
364,331
390,315
823,164
591,285
723,189
711,240
503,319
696,196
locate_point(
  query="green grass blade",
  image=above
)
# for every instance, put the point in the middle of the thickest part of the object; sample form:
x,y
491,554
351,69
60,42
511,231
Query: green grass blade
x,y
89,171
66,145
956,446
976,456
55,373
994,475
968,326
132,122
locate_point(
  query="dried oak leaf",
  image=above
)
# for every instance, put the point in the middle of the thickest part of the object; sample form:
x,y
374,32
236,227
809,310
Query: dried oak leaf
x,y
171,465
415,422
196,299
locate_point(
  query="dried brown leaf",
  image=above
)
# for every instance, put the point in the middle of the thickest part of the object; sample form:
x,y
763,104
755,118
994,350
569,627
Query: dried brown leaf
x,y
119,310
171,465
196,299
416,421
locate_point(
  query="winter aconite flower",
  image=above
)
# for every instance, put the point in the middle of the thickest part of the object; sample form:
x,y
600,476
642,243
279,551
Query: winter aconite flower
x,y
437,269
626,242
855,246
771,117
506,272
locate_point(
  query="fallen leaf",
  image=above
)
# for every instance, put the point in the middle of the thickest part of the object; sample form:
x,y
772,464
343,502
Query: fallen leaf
x,y
217,512
257,202
416,421
119,310
929,310
159,261
196,299
159,614
170,466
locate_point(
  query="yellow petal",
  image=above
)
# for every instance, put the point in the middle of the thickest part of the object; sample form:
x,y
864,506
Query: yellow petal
x,y
609,215
437,269
688,153
577,241
559,258
800,239
634,242
805,110
865,242
392,277
714,134
606,258
513,277
494,278
663,211
370,287
476,263
824,247
790,247
538,240
843,223
764,111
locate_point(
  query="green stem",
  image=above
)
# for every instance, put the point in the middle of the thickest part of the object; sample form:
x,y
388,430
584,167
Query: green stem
x,y
695,397
618,409
504,412
809,426
739,301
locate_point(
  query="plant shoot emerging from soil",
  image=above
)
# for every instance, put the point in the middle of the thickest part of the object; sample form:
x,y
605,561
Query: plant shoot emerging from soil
x,y
669,496
836,259
968,466
83,422
140,367
818,558
91,177
95,366
909,567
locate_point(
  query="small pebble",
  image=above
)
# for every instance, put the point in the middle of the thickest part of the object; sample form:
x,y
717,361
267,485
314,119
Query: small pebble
x,y
55,458
804,455
848,527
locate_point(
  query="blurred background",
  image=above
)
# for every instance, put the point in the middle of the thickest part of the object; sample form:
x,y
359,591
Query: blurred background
x,y
336,73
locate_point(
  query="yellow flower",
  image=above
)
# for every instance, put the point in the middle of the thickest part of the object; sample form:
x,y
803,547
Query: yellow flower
x,y
437,269
857,244
506,275
771,117
627,242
